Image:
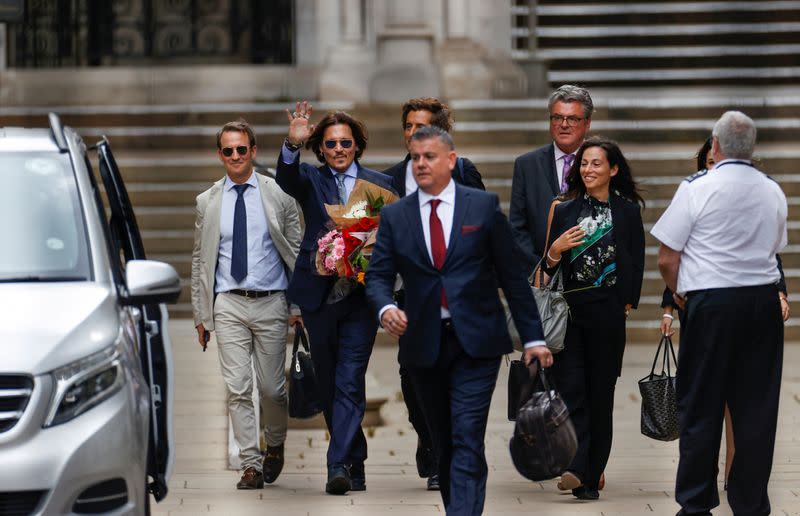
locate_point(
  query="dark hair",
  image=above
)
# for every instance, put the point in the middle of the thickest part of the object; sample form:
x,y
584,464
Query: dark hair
x,y
336,118
432,131
441,115
622,182
702,154
239,126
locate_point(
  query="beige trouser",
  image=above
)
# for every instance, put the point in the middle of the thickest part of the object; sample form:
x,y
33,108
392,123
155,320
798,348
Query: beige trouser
x,y
253,328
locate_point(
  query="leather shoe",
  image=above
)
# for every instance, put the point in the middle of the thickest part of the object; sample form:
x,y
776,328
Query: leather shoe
x,y
433,482
426,464
251,479
273,463
358,480
585,493
339,481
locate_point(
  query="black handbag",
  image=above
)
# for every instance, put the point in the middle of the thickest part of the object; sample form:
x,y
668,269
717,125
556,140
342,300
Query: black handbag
x,y
304,401
544,441
519,379
659,403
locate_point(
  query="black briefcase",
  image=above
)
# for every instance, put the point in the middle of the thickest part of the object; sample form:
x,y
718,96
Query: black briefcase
x,y
519,379
304,401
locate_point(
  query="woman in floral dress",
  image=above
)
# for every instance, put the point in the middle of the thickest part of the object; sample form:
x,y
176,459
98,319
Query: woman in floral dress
x,y
597,244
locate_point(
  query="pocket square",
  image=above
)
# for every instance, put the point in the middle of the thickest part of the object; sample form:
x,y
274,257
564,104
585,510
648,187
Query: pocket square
x,y
469,229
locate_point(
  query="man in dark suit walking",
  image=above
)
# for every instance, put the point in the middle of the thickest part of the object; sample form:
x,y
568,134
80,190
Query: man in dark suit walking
x,y
453,248
541,175
341,330
418,113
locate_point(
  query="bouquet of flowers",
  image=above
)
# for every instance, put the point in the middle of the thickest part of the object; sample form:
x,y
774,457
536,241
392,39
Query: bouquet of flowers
x,y
345,249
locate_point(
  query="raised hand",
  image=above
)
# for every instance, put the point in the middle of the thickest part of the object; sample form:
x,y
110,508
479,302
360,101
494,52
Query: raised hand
x,y
299,127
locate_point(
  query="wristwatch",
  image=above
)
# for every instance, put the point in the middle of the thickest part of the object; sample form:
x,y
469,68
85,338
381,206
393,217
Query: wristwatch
x,y
291,147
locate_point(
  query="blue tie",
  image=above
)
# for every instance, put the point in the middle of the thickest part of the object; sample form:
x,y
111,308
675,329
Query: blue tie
x,y
342,188
239,251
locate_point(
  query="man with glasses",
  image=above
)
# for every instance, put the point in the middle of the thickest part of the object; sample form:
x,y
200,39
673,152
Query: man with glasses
x,y
541,175
342,331
246,239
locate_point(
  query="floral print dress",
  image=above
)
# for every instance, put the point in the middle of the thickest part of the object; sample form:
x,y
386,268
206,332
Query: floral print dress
x,y
594,262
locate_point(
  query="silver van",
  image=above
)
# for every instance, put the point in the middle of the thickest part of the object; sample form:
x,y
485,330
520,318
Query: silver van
x,y
85,362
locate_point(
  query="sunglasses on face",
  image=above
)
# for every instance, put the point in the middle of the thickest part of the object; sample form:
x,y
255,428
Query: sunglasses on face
x,y
331,144
228,151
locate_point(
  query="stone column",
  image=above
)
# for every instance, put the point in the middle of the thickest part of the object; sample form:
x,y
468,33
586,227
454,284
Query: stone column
x,y
475,58
404,33
349,62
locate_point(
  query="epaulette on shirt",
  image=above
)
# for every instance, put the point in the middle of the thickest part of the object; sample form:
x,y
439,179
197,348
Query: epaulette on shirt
x,y
696,175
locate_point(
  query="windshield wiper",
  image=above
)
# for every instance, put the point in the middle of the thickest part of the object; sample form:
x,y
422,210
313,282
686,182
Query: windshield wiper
x,y
42,279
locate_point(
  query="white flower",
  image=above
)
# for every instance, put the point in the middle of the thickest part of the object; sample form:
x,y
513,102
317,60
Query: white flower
x,y
357,211
588,225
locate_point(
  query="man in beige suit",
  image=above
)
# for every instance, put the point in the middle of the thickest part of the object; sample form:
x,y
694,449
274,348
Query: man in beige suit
x,y
246,239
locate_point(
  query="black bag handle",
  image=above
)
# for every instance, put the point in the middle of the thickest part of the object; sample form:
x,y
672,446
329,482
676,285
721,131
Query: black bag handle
x,y
536,373
665,341
299,337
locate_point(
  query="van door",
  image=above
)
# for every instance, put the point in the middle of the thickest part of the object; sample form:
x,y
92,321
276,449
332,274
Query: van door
x,y
156,351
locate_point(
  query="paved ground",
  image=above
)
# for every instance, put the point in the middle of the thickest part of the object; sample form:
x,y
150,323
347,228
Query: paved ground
x,y
640,474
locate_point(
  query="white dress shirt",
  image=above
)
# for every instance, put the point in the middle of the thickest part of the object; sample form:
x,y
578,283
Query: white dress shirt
x,y
445,212
351,173
411,183
265,270
728,223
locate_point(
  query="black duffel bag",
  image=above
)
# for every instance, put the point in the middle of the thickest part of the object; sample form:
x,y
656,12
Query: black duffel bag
x,y
544,441
304,399
659,404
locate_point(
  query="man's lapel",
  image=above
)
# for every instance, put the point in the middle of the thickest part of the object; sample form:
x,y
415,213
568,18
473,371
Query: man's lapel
x,y
414,220
211,221
462,199
548,163
269,206
330,193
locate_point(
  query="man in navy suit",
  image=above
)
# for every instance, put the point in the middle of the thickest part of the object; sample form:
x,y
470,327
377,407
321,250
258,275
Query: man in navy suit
x,y
453,248
341,330
541,175
418,113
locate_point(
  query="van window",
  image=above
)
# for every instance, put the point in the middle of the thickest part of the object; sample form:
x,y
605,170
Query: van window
x,y
42,229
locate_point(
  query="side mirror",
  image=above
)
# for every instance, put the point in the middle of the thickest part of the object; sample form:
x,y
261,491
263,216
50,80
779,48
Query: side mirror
x,y
151,282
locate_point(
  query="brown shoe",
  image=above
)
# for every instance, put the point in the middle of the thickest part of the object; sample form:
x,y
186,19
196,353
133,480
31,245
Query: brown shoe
x,y
251,479
569,481
273,463
602,483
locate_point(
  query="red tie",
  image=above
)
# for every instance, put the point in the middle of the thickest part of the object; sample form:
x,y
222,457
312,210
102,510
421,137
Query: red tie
x,y
438,248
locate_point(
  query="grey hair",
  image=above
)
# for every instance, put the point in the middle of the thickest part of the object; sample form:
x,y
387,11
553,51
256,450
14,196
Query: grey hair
x,y
736,135
570,93
432,131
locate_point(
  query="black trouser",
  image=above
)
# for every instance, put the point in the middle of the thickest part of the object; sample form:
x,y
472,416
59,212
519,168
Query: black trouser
x,y
417,418
458,391
731,351
586,374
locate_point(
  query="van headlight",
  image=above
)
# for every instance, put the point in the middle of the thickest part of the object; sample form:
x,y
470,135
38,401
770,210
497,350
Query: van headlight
x,y
85,383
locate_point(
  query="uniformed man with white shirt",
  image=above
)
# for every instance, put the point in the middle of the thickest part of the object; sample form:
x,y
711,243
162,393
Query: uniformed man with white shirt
x,y
719,238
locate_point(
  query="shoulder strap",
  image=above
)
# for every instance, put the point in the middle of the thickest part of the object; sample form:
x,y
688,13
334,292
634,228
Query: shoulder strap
x,y
460,166
540,275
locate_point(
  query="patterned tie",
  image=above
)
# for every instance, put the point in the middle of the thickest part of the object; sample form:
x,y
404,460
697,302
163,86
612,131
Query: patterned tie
x,y
342,189
438,248
239,250
568,159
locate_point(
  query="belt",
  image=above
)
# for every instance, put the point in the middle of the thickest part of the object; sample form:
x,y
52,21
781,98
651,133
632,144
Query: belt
x,y
253,294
